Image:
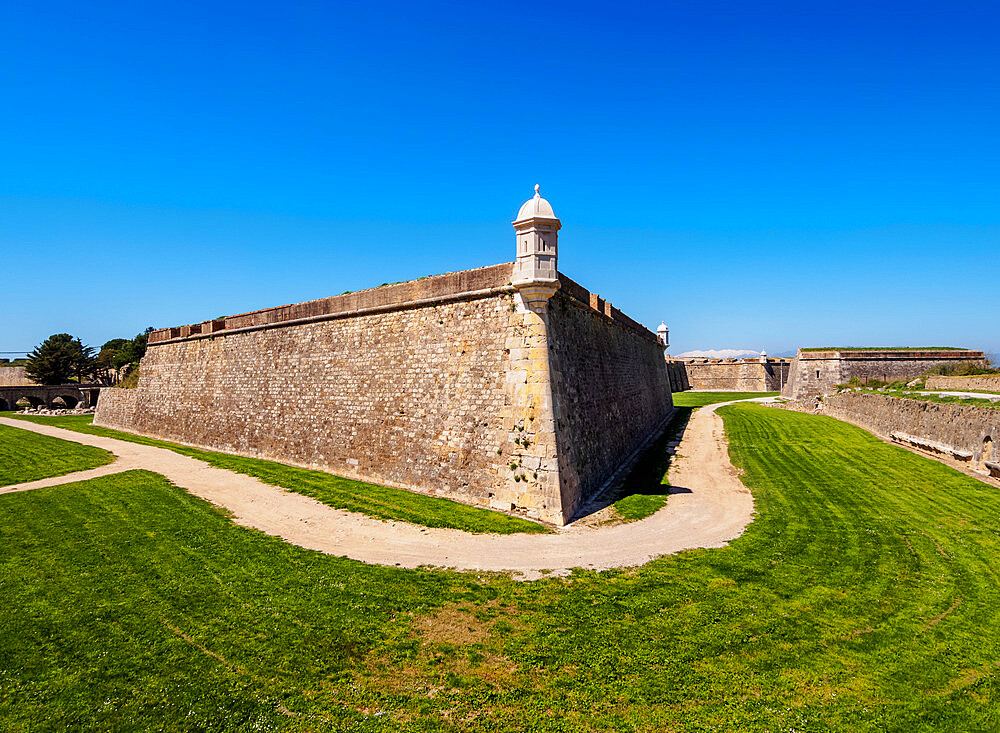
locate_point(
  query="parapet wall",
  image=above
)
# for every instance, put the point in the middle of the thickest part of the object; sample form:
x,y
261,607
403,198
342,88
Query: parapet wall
x,y
967,435
440,385
814,373
736,375
14,376
985,382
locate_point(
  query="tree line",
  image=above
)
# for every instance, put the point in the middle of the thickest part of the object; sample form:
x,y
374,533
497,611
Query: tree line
x,y
62,358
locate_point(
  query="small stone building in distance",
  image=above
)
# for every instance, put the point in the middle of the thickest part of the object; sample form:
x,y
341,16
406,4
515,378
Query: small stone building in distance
x,y
817,371
508,386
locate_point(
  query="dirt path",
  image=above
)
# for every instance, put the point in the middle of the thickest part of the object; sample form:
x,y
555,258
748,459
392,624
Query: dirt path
x,y
710,506
116,466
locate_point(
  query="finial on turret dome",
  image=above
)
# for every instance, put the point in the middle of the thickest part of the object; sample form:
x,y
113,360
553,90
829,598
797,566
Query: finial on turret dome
x,y
536,233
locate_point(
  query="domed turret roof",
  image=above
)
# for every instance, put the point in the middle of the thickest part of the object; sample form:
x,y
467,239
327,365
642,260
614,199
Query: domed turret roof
x,y
535,208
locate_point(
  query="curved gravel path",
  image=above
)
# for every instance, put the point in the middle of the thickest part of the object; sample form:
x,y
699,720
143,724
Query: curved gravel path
x,y
709,506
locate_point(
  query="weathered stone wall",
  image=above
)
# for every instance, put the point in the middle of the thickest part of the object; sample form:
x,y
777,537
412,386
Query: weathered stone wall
x,y
987,382
732,375
448,385
14,376
814,373
118,406
965,434
677,376
409,398
610,390
746,375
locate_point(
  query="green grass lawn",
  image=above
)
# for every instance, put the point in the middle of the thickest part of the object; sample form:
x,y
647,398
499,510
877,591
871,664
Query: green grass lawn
x,y
700,399
647,487
377,501
864,597
28,457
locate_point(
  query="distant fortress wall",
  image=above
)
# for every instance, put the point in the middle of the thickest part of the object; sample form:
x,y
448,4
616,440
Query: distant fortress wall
x,y
449,385
14,376
816,372
758,374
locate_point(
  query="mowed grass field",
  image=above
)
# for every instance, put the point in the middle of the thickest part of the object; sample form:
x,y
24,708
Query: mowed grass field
x,y
381,502
864,596
29,457
700,399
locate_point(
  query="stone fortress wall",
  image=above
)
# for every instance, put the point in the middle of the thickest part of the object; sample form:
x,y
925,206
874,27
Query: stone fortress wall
x,y
609,384
960,433
677,375
816,372
521,393
13,376
759,374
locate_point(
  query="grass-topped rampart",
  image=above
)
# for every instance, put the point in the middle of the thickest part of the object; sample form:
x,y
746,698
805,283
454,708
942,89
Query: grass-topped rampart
x,y
883,348
905,394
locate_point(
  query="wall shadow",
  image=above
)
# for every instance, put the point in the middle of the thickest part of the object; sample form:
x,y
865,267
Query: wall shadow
x,y
649,475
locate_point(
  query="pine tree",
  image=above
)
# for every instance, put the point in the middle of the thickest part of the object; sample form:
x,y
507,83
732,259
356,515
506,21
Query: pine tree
x,y
58,358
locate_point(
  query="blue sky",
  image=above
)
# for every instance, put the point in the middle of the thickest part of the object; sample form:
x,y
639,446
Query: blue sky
x,y
759,175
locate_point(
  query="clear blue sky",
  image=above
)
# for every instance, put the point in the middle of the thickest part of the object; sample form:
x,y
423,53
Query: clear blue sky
x,y
762,175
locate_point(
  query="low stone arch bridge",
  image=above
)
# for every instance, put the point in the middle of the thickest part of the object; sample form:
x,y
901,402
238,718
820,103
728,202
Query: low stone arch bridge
x,y
39,395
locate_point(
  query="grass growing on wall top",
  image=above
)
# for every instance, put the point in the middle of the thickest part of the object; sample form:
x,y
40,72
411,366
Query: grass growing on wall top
x,y
884,348
862,598
381,502
28,456
945,399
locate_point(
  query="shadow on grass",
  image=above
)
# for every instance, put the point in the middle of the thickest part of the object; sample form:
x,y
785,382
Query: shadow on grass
x,y
646,488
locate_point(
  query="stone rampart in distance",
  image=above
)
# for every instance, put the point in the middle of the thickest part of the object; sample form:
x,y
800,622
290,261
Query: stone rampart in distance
x,y
758,374
967,435
983,382
14,376
677,376
817,372
446,385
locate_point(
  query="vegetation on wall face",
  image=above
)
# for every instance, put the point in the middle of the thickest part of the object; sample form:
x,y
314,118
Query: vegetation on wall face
x,y
963,369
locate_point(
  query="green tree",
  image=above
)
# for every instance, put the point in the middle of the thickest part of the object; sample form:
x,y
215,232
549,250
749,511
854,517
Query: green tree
x,y
106,364
119,357
58,358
